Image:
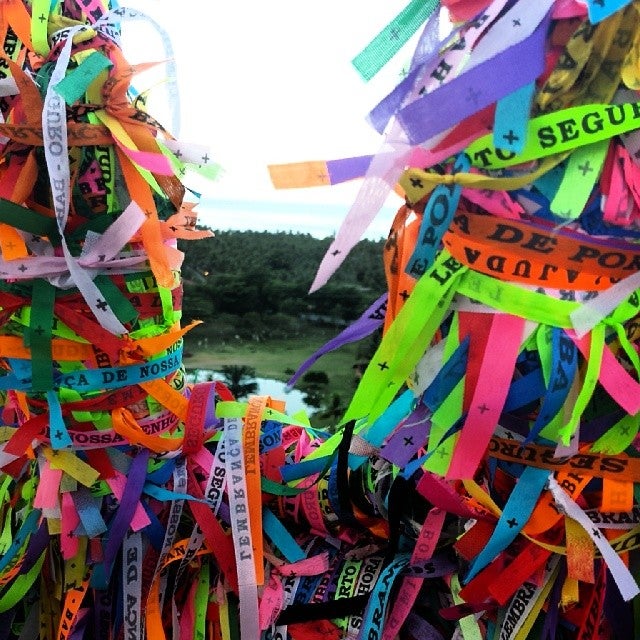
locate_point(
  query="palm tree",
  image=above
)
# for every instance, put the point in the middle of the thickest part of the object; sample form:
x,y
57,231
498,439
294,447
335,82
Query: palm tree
x,y
240,379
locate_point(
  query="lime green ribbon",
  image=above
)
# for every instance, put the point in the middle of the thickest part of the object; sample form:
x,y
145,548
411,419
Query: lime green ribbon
x,y
406,339
19,587
558,132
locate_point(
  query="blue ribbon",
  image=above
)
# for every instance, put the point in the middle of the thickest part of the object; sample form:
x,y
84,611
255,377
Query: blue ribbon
x,y
94,379
512,118
58,433
564,366
303,469
379,597
448,377
524,390
88,509
517,511
399,409
29,525
601,9
281,537
437,217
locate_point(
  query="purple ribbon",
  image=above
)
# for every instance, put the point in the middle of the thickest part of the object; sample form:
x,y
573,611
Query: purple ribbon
x,y
80,625
406,441
426,52
618,612
37,544
347,169
551,619
436,567
130,497
6,618
476,89
419,628
380,115
366,324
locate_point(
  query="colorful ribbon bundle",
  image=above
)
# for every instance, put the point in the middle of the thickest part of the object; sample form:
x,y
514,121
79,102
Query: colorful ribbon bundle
x,y
482,483
95,407
502,405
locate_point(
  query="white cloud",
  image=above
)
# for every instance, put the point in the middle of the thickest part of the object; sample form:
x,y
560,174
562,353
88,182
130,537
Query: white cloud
x,y
266,83
315,218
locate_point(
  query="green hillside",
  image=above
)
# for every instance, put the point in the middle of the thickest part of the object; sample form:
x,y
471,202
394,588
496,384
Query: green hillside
x,y
260,274
250,290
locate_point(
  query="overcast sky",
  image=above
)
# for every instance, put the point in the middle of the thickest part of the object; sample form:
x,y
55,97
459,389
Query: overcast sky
x,y
264,83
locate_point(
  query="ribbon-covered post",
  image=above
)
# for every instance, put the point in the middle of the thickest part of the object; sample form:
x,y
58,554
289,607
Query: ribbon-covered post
x,y
504,391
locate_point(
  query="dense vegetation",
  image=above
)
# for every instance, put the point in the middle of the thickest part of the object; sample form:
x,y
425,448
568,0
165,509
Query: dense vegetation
x,y
250,289
258,282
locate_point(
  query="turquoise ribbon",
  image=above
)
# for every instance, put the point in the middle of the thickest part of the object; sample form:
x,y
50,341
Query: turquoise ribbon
x,y
95,379
517,511
512,118
391,39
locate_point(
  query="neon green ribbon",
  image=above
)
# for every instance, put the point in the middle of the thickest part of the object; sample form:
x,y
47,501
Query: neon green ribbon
x,y
582,171
516,300
233,409
19,587
588,385
543,346
201,602
446,414
39,22
6,536
468,624
406,339
619,437
560,131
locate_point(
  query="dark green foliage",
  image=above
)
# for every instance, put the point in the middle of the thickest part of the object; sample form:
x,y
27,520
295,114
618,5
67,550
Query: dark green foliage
x,y
315,377
246,272
314,386
333,411
251,289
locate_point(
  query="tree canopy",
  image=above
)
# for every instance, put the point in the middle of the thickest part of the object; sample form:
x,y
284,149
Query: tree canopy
x,y
245,272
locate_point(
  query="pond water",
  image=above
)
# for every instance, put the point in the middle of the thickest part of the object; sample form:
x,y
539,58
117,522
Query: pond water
x,y
266,387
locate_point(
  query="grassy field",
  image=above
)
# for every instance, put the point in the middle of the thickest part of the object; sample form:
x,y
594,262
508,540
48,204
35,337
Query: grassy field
x,y
277,358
